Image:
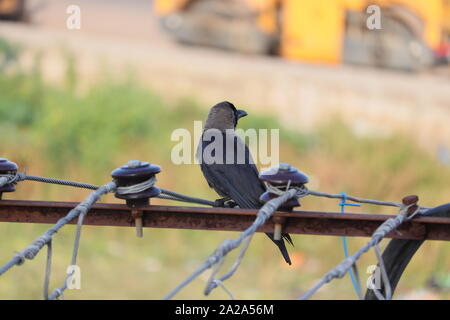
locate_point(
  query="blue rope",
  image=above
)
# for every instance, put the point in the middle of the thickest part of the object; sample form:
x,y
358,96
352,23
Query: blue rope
x,y
342,204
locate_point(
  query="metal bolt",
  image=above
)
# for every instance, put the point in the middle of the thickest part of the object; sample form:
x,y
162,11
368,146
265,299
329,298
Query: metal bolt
x,y
134,164
279,221
284,166
412,202
408,200
137,214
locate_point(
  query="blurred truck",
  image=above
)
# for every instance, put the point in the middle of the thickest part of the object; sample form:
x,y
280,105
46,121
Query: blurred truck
x,y
12,10
414,34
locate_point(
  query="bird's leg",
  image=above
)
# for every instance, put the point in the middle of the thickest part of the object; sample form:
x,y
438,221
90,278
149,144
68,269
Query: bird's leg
x,y
221,202
231,204
224,203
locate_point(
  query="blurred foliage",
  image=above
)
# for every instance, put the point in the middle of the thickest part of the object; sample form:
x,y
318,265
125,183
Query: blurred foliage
x,y
62,131
8,54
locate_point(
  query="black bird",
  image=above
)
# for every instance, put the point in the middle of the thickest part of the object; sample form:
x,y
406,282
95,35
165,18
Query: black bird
x,y
236,179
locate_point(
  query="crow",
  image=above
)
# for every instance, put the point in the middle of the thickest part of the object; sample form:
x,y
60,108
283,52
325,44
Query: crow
x,y
227,164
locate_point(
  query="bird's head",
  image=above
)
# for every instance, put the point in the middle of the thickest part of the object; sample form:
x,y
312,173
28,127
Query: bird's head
x,y
224,115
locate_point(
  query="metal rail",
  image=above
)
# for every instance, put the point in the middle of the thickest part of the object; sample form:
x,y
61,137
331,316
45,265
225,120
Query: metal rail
x,y
296,222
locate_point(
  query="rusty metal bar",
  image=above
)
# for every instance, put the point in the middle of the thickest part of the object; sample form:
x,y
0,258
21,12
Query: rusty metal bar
x,y
296,222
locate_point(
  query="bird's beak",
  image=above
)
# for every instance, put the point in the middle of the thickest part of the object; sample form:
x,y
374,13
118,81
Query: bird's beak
x,y
241,114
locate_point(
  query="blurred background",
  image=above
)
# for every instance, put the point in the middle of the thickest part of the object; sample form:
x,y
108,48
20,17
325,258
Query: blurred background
x,y
361,111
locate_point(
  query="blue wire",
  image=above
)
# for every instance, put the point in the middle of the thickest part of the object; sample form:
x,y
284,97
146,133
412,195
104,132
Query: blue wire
x,y
342,204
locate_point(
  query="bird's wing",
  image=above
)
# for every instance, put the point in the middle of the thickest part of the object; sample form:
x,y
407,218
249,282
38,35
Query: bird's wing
x,y
238,180
235,181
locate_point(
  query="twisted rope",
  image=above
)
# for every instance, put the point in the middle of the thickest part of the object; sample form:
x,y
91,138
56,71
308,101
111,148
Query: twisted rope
x,y
266,211
60,291
165,194
384,276
48,269
171,195
136,188
303,189
33,249
341,269
22,176
5,179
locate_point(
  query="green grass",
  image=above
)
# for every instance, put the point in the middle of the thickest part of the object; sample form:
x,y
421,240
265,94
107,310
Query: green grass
x,y
59,130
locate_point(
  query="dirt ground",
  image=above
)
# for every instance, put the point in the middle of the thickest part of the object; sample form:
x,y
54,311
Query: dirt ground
x,y
120,35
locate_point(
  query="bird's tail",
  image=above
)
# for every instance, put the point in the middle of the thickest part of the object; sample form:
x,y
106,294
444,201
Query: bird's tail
x,y
282,246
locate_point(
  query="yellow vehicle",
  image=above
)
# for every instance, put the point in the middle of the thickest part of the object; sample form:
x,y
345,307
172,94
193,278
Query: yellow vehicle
x,y
12,9
322,31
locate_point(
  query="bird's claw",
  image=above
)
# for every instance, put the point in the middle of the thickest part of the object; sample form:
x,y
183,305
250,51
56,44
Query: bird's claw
x,y
230,204
225,203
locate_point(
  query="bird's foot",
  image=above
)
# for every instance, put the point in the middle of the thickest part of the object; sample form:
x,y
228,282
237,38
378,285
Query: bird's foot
x,y
225,203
